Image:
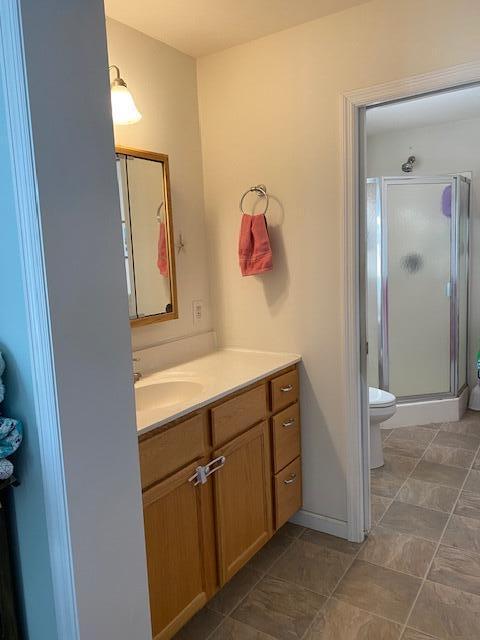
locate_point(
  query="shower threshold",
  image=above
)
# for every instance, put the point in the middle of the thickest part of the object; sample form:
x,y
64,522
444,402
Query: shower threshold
x,y
416,412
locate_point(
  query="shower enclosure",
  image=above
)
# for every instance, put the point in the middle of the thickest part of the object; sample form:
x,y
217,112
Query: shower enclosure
x,y
417,285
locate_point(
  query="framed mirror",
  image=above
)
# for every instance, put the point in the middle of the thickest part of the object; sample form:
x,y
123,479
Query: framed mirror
x,y
148,241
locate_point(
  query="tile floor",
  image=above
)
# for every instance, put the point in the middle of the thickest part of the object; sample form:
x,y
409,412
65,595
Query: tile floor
x,y
416,577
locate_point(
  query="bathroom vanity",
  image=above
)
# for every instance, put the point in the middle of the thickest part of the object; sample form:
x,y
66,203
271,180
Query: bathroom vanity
x,y
219,435
219,480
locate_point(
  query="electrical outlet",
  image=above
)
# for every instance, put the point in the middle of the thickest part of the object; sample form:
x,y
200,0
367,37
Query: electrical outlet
x,y
197,311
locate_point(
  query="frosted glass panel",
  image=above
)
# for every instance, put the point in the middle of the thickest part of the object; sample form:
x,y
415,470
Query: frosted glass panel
x,y
373,274
462,285
418,218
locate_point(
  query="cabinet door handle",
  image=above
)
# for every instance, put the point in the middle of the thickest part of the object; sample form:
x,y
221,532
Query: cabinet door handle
x,y
293,478
198,477
287,388
201,473
214,465
289,423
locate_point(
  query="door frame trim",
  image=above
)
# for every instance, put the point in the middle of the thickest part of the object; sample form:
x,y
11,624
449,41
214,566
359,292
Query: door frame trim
x,y
27,214
352,110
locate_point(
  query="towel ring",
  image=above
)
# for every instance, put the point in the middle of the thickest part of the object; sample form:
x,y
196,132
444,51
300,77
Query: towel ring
x,y
261,191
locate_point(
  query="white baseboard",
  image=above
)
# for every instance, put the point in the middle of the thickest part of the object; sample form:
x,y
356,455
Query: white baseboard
x,y
324,524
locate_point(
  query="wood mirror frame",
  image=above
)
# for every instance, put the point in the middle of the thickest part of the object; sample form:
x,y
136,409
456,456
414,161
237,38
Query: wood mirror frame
x,y
163,158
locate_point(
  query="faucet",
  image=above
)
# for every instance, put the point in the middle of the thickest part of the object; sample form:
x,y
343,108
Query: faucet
x,y
137,376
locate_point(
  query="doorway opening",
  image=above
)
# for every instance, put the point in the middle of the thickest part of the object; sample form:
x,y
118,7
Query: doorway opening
x,y
383,182
419,306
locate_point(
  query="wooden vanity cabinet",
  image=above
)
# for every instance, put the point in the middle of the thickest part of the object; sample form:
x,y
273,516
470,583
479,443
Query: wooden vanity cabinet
x,y
285,419
168,450
180,550
243,500
288,492
198,537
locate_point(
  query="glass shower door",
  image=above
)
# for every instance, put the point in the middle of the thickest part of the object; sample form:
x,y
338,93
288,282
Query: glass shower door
x,y
416,285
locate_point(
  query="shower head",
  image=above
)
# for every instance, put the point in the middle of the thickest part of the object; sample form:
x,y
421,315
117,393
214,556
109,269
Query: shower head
x,y
407,167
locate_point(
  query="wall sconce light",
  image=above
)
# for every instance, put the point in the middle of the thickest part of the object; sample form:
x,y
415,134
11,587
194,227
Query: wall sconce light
x,y
124,110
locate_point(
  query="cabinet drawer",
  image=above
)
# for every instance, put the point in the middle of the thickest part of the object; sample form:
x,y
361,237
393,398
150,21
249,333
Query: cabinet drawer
x,y
284,390
286,436
173,448
288,492
234,416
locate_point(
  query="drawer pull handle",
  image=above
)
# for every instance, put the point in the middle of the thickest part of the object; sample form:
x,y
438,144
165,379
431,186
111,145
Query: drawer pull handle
x,y
287,388
293,478
289,423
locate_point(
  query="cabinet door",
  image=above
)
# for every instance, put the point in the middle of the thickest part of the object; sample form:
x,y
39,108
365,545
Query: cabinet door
x,y
243,499
180,550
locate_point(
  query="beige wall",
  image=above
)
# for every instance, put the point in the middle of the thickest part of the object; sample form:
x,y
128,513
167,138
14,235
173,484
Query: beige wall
x,y
269,112
163,82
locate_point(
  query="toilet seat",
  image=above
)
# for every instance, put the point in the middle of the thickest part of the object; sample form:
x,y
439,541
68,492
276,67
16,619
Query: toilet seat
x,y
380,399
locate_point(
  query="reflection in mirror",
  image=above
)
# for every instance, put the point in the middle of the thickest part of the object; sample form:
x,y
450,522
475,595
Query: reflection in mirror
x,y
144,188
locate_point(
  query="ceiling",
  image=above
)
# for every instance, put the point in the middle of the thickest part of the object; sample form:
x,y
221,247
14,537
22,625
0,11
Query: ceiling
x,y
201,27
439,108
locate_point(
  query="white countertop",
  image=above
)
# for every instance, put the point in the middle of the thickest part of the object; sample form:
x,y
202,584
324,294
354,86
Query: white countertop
x,y
205,380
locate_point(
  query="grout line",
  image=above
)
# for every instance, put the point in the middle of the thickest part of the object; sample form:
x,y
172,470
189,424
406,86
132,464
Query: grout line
x,y
371,613
412,535
467,469
330,596
404,626
266,573
439,543
437,431
217,626
407,477
354,557
387,437
323,595
403,573
262,575
376,524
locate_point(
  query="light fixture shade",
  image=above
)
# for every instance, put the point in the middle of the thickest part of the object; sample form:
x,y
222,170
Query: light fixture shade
x,y
124,110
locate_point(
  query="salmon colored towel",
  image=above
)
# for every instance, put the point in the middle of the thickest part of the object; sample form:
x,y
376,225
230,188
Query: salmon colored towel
x,y
254,250
162,258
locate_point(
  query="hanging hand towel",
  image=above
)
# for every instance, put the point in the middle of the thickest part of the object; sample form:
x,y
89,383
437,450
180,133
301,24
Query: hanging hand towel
x,y
254,250
162,259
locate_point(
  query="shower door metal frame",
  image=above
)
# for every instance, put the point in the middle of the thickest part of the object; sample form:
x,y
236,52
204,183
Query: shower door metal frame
x,y
383,329
458,179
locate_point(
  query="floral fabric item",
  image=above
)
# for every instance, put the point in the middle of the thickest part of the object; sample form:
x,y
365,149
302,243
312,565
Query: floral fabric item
x,y
11,434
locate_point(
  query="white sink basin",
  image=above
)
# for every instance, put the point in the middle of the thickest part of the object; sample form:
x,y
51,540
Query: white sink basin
x,y
164,393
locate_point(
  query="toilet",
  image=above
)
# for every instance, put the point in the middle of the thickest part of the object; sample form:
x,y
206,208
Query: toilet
x,y
382,406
